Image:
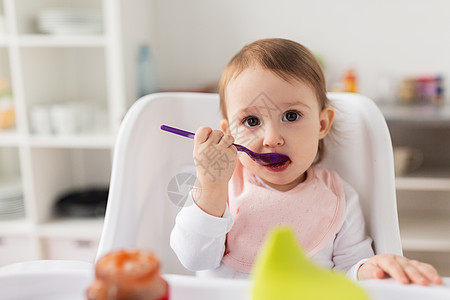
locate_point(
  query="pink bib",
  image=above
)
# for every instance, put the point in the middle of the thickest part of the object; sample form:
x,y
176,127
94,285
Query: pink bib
x,y
314,209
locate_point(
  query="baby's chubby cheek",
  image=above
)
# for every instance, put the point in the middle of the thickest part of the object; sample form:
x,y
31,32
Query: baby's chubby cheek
x,y
250,141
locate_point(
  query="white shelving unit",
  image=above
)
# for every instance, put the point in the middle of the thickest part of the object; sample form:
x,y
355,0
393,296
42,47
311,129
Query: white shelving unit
x,y
94,70
424,194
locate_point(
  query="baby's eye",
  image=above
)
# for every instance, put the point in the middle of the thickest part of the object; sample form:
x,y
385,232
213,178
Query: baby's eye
x,y
251,121
291,116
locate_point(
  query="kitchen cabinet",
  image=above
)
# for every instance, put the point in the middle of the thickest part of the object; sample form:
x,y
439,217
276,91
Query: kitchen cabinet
x,y
70,83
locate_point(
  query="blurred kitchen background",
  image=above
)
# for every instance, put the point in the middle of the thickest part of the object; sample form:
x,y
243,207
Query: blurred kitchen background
x,y
69,70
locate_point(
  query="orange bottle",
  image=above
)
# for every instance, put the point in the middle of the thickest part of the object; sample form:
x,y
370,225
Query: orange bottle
x,y
350,82
128,274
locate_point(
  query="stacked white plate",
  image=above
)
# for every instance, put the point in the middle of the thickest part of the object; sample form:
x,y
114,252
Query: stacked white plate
x,y
69,21
11,200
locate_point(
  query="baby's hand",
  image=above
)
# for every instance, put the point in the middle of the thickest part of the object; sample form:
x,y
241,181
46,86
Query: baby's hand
x,y
400,268
215,158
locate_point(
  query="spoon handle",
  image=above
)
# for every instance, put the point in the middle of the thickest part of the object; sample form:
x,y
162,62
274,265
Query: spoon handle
x,y
191,135
178,131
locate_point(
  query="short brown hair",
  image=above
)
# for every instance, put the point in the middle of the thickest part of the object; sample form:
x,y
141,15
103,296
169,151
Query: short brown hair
x,y
287,59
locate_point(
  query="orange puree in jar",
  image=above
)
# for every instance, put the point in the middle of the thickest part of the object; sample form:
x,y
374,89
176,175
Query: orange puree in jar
x,y
130,275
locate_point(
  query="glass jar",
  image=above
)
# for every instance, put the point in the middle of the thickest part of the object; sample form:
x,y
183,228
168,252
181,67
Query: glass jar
x,y
128,274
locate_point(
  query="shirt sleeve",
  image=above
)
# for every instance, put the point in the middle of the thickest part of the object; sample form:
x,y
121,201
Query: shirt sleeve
x,y
198,238
352,246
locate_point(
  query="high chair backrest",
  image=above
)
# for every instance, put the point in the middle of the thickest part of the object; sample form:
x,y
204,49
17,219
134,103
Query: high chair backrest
x,y
151,169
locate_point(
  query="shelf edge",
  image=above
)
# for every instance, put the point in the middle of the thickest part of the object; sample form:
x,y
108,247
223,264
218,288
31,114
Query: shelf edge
x,y
36,40
85,142
422,184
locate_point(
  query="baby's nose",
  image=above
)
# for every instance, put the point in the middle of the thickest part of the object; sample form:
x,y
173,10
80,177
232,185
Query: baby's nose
x,y
272,138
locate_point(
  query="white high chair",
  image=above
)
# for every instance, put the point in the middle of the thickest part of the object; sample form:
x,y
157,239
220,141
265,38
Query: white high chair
x,y
140,213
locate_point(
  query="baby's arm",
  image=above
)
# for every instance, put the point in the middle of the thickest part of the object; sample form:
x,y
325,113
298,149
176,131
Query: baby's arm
x,y
400,268
351,246
198,237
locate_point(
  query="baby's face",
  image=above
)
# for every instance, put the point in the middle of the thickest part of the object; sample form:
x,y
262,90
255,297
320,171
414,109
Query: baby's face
x,y
268,114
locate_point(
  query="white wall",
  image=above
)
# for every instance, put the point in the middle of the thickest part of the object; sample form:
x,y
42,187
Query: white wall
x,y
384,39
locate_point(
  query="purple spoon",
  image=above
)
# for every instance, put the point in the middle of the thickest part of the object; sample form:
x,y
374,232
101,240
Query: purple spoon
x,y
265,159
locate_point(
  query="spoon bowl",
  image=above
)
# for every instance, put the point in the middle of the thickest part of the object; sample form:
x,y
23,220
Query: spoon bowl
x,y
264,159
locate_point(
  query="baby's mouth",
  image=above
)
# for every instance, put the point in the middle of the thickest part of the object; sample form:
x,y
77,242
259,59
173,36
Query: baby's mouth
x,y
269,159
278,167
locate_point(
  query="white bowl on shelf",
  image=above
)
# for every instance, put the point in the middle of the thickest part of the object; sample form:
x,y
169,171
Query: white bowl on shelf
x,y
69,21
10,187
40,119
11,199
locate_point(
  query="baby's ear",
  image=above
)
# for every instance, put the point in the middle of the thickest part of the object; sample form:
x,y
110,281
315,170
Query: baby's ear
x,y
225,126
326,120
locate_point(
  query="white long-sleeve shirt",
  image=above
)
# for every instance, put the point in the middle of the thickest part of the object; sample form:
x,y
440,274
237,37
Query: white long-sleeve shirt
x,y
198,240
